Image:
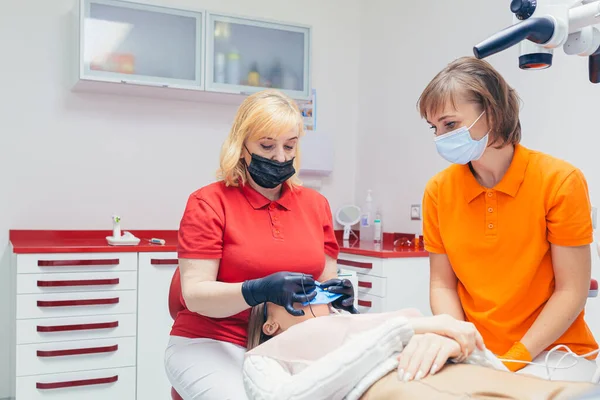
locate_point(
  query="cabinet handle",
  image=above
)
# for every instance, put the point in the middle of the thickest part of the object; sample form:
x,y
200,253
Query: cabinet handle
x,y
77,352
365,303
86,282
76,263
156,261
82,382
356,264
78,327
71,303
365,284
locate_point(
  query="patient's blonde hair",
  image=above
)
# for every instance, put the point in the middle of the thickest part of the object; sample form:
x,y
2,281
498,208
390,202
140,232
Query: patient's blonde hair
x,y
267,113
255,326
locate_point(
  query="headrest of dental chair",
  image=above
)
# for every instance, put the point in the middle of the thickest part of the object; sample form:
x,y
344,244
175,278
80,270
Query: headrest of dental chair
x,y
175,303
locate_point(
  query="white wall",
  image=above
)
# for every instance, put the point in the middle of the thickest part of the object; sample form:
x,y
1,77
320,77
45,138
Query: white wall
x,y
68,161
403,47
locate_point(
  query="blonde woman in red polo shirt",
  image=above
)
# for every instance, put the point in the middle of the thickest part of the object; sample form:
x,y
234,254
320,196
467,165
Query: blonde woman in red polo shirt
x,y
254,236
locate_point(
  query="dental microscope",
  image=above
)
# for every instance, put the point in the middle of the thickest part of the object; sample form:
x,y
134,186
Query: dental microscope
x,y
540,26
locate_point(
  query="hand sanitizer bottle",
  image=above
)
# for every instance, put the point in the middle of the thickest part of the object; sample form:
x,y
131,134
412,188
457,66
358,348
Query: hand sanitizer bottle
x,y
367,228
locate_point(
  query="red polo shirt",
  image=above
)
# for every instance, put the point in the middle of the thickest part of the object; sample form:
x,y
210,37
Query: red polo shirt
x,y
253,237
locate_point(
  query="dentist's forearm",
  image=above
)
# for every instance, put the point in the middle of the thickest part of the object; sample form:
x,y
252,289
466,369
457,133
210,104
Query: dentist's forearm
x,y
214,299
556,317
446,301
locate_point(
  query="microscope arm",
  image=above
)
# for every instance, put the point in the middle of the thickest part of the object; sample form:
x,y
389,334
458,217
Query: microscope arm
x,y
537,30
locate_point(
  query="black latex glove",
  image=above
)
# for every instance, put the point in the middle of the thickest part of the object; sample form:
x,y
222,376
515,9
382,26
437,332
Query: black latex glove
x,y
281,288
345,288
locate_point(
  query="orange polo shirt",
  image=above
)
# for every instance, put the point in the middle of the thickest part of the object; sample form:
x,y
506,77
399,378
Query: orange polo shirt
x,y
498,242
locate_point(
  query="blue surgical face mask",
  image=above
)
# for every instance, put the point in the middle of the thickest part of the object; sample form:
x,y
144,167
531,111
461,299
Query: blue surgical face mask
x,y
459,147
323,296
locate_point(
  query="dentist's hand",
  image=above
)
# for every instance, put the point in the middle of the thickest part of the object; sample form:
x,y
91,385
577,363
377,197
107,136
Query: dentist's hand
x,y
346,289
281,288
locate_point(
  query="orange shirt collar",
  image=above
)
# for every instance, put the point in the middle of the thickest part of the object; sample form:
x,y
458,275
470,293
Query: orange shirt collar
x,y
510,183
258,201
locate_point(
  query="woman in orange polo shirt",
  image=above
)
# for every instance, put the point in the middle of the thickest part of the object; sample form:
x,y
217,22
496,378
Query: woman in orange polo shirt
x,y
254,236
508,228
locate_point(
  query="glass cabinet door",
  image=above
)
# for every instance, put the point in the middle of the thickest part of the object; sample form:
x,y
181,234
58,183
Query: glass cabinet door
x,y
134,43
245,55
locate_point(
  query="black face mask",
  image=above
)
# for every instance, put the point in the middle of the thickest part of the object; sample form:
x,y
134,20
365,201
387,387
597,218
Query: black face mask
x,y
270,173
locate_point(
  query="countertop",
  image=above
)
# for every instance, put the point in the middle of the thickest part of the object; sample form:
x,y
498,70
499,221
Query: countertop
x,y
63,241
71,241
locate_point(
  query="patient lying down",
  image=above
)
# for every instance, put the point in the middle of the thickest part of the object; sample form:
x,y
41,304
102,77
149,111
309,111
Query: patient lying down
x,y
399,355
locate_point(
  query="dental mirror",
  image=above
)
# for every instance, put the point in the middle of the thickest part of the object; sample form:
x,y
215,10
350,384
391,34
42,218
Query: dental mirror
x,y
347,216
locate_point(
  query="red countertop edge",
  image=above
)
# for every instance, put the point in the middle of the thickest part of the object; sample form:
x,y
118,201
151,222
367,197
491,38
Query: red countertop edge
x,y
87,241
94,241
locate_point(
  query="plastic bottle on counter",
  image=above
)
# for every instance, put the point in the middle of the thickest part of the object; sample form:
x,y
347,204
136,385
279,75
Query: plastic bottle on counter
x,y
367,226
378,227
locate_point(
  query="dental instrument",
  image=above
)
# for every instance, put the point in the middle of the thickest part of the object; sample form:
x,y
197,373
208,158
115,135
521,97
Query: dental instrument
x,y
540,26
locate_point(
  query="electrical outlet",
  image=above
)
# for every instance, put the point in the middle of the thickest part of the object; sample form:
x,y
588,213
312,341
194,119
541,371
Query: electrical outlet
x,y
415,212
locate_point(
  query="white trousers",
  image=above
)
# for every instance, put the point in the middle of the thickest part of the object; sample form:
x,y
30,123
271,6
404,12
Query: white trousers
x,y
205,369
580,369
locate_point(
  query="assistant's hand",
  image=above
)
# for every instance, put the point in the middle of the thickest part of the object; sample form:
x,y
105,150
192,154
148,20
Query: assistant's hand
x,y
426,354
464,333
281,288
517,352
346,289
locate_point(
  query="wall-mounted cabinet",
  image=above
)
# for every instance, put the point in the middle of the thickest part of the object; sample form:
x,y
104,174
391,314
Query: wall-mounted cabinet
x,y
245,55
131,48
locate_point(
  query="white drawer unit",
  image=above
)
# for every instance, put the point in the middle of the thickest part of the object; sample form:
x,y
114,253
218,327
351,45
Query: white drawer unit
x,y
103,384
44,330
75,262
389,284
154,322
75,325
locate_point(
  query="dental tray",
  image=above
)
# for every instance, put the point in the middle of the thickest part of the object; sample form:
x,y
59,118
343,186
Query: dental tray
x,y
126,240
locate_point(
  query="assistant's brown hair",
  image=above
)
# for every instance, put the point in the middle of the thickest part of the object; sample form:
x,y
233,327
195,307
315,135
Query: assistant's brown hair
x,y
478,82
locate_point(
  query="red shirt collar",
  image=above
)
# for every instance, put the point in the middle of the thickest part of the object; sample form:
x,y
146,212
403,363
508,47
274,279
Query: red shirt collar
x,y
258,201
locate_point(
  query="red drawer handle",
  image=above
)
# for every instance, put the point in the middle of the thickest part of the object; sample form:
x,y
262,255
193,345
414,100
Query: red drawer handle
x,y
156,261
356,264
83,382
365,284
87,282
77,352
70,303
76,263
365,303
78,327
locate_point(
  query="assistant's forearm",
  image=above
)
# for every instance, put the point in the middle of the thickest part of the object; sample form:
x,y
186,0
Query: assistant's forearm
x,y
215,299
556,317
446,301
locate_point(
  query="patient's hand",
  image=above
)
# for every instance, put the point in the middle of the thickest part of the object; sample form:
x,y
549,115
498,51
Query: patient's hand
x,y
426,354
465,333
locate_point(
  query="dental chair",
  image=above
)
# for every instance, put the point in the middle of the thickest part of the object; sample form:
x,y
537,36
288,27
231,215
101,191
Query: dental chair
x,y
175,306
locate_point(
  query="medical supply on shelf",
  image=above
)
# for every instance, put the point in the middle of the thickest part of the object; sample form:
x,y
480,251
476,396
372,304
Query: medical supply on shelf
x,y
127,239
367,228
157,241
377,226
233,67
